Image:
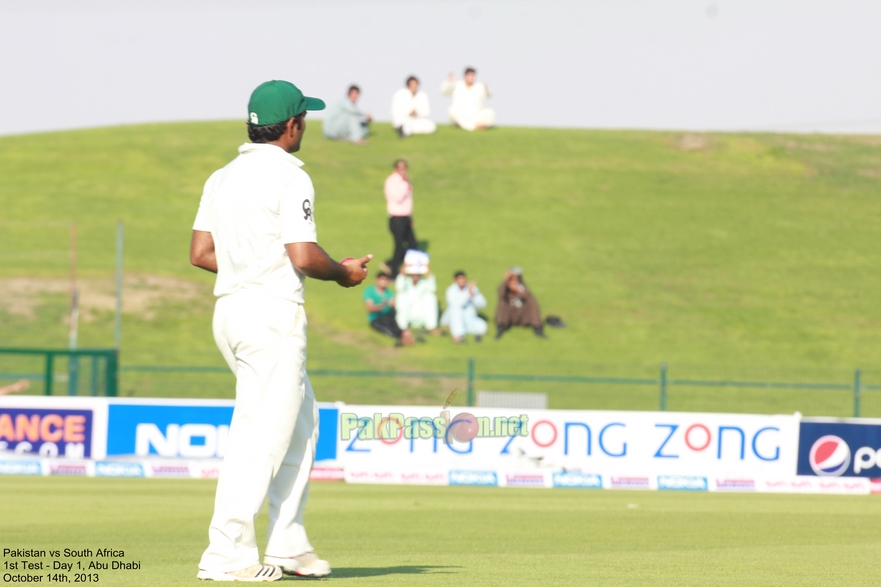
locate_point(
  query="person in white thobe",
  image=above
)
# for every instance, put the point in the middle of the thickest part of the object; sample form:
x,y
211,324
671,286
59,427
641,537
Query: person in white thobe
x,y
467,109
416,294
410,110
463,301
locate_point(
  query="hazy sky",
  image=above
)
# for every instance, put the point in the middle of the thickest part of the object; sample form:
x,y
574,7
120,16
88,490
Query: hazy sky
x,y
803,65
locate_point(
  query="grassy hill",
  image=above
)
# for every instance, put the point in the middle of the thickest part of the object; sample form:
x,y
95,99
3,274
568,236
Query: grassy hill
x,y
756,254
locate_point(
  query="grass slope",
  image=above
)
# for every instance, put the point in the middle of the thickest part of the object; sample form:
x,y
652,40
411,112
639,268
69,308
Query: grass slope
x,y
716,249
376,535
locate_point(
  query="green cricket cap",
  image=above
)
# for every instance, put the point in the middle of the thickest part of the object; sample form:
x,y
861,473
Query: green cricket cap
x,y
277,101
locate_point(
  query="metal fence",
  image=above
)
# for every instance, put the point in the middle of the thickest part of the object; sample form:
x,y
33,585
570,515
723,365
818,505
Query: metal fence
x,y
84,372
815,392
396,379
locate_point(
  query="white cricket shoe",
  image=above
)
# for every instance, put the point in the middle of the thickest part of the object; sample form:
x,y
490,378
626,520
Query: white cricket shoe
x,y
305,565
252,573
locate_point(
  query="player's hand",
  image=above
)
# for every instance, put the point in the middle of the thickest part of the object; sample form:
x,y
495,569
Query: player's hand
x,y
451,77
355,271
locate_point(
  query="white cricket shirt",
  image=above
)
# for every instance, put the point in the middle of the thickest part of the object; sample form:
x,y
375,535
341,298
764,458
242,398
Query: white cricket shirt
x,y
255,205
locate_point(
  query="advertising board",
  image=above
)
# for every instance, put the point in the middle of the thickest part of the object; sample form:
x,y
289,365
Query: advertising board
x,y
98,427
839,448
125,437
168,429
49,427
189,429
626,445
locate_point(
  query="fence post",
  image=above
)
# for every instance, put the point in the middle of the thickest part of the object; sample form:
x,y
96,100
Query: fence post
x,y
48,375
73,374
111,381
856,393
663,387
93,389
117,327
470,381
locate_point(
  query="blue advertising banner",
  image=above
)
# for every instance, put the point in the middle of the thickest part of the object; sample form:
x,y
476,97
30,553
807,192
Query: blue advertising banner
x,y
47,432
188,431
833,449
327,433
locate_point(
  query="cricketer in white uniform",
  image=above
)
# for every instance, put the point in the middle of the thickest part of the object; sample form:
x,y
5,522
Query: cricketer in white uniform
x,y
256,229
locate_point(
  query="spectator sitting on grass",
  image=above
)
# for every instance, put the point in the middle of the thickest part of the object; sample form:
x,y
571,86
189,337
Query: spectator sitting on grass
x,y
467,111
410,110
517,306
463,301
345,121
416,287
380,303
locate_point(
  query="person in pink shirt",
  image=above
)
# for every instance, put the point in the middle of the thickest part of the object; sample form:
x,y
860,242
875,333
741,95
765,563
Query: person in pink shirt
x,y
399,205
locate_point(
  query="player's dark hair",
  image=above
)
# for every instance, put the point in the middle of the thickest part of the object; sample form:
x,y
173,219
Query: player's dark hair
x,y
397,161
458,273
470,70
412,78
383,274
355,88
266,133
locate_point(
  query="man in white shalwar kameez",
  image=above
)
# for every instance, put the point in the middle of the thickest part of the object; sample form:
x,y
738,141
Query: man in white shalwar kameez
x,y
415,294
410,110
463,301
467,109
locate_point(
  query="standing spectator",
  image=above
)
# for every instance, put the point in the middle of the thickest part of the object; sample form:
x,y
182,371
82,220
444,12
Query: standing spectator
x,y
345,121
517,306
416,302
467,111
399,205
380,303
410,110
463,301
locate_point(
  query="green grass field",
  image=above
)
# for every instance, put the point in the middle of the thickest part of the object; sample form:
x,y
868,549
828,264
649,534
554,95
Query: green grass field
x,y
378,535
746,256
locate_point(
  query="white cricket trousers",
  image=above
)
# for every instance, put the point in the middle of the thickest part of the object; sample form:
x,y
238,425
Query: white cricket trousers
x,y
273,434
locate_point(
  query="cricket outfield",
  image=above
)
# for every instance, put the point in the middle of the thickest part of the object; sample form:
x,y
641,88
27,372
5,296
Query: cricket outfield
x,y
381,535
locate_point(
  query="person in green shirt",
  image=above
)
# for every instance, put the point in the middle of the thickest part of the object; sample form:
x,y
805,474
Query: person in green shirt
x,y
380,303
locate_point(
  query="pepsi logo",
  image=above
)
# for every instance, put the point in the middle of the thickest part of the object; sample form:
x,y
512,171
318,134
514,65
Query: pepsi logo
x,y
829,456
